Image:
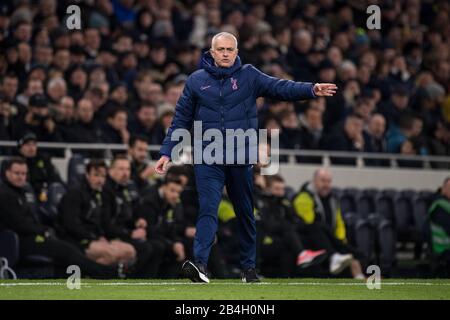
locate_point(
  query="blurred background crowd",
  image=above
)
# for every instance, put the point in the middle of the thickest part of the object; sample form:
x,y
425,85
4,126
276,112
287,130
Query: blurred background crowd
x,y
122,73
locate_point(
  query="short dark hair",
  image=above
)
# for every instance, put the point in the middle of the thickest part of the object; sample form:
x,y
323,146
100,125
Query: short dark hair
x,y
95,164
177,171
115,111
135,138
146,105
8,75
273,179
172,179
118,157
13,161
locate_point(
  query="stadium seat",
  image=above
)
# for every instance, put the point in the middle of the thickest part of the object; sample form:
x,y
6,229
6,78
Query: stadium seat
x,y
76,169
49,210
9,246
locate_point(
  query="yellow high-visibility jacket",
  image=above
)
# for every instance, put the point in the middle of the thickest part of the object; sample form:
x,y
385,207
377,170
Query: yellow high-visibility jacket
x,y
307,205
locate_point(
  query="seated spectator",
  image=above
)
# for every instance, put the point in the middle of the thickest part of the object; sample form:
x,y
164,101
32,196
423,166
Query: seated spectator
x,y
165,120
412,147
321,225
364,108
41,172
115,129
5,120
439,215
64,116
162,210
56,89
32,87
396,106
375,138
122,221
146,124
397,135
38,120
81,218
85,129
281,248
312,133
439,144
35,238
290,135
348,137
141,171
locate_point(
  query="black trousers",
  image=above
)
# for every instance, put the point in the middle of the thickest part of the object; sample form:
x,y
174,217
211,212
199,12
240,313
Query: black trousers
x,y
278,257
149,258
65,254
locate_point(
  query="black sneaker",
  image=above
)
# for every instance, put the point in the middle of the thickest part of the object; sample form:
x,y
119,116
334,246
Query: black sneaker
x,y
250,276
195,272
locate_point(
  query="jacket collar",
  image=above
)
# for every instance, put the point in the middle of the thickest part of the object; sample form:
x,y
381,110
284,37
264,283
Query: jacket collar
x,y
208,64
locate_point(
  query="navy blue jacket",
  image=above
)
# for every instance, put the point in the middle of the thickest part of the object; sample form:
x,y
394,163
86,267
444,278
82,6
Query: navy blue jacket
x,y
225,98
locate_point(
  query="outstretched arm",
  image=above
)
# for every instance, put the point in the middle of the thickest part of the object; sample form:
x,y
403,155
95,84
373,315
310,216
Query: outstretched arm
x,y
271,87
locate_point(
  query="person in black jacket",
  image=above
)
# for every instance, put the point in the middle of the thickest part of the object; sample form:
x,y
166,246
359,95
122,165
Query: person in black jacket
x,y
141,171
281,247
115,129
37,120
81,218
348,137
41,172
35,238
121,221
161,208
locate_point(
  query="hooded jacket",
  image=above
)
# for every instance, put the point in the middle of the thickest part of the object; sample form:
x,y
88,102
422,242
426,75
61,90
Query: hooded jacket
x,y
225,98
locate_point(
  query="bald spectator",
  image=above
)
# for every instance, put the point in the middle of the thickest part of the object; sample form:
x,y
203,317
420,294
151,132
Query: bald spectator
x,y
321,225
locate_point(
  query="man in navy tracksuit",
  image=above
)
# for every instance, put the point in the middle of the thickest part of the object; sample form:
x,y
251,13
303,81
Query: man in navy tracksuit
x,y
222,95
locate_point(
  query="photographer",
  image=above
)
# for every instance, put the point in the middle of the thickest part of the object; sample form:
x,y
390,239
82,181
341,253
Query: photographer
x,y
38,120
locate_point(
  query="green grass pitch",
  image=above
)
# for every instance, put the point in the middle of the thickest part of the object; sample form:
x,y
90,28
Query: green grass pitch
x,y
277,289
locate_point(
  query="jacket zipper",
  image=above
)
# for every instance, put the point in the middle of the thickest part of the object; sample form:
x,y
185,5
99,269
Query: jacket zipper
x,y
221,105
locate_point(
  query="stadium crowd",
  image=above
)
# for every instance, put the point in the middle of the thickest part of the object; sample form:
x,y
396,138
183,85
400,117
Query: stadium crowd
x,y
118,79
123,72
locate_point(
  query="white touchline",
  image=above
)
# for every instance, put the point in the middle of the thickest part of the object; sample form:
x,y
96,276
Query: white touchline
x,y
88,284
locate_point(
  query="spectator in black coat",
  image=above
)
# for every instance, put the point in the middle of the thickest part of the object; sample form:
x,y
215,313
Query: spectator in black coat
x,y
38,120
146,124
348,137
35,238
141,171
162,210
115,130
81,214
375,139
123,223
41,172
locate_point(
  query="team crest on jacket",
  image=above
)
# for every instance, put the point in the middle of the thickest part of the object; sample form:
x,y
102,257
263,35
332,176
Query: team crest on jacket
x,y
234,84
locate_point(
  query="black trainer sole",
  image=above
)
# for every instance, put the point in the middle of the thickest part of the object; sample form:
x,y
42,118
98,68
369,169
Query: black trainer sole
x,y
193,273
314,262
